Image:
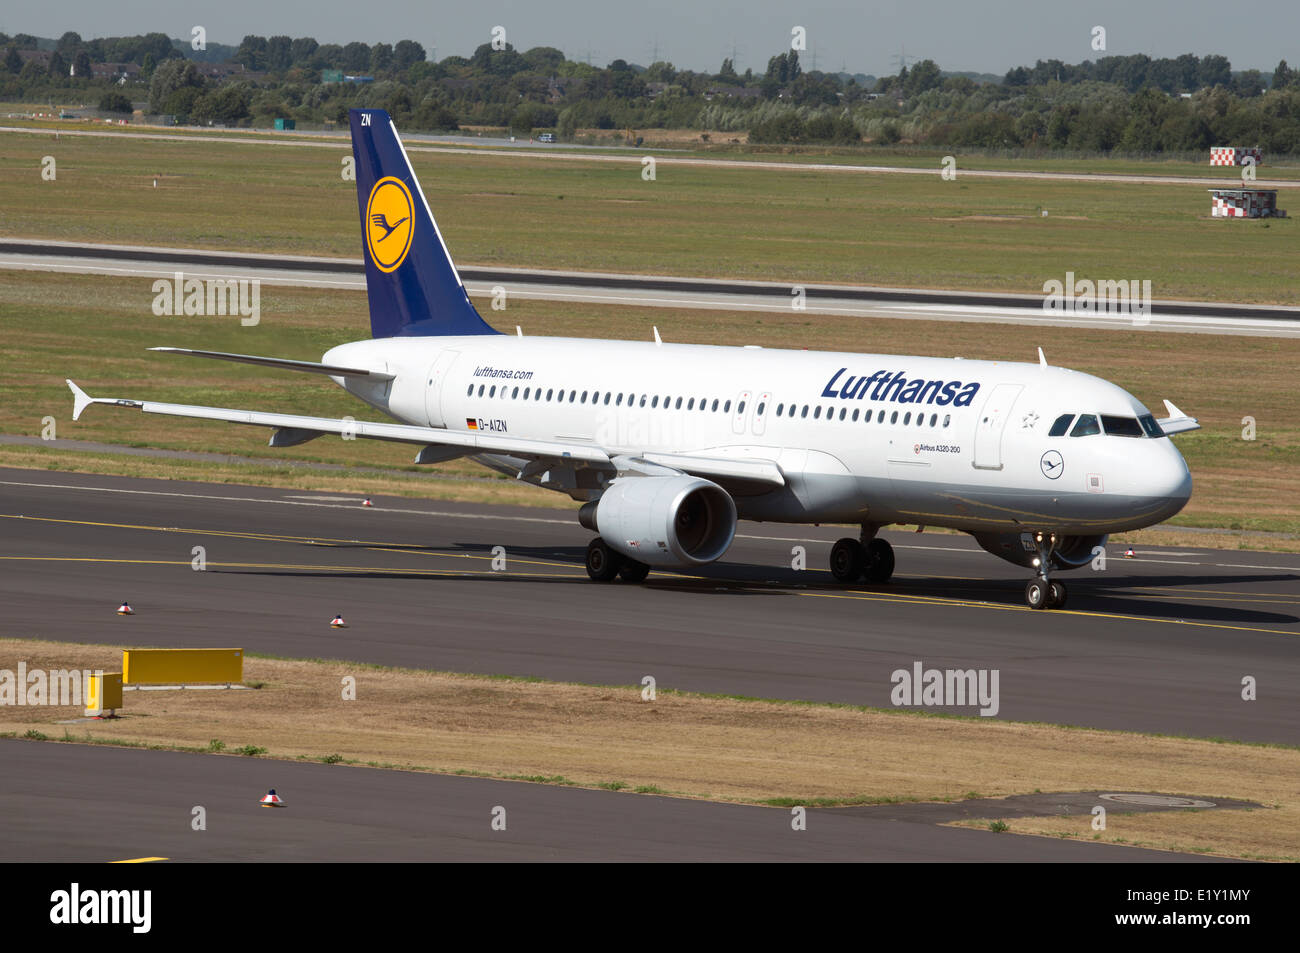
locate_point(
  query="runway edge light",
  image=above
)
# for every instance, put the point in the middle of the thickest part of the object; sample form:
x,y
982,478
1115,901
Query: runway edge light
x,y
125,609
272,799
338,623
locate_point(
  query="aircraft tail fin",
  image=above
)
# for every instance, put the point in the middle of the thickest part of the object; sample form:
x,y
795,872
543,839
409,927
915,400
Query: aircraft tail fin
x,y
411,282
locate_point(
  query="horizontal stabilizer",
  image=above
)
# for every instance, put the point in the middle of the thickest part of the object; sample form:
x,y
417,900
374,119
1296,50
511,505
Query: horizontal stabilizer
x,y
282,363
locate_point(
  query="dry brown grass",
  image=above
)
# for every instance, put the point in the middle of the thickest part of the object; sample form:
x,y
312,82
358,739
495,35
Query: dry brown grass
x,y
687,745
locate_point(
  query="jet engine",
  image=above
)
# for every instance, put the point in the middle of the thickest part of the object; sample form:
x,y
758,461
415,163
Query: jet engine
x,y
663,520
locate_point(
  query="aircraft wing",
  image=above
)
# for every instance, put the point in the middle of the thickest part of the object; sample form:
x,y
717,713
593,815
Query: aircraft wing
x,y
292,429
743,470
1177,421
301,427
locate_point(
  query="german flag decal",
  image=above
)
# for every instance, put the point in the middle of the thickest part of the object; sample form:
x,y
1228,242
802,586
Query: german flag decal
x,y
471,423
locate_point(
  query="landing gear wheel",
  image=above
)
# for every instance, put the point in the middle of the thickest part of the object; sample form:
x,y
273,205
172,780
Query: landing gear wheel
x,y
602,562
880,560
1036,594
848,560
633,571
1056,595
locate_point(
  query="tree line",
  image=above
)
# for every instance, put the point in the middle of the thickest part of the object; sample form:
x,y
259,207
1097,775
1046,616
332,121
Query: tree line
x,y
1130,104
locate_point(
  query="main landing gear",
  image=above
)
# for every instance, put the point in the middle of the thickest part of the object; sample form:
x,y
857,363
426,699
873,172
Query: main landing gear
x,y
603,564
1044,592
871,559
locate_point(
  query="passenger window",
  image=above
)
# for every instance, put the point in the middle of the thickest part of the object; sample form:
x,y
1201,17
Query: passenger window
x,y
855,414
817,414
514,393
607,397
1061,425
740,408
550,392
946,418
715,405
1121,426
780,410
934,419
843,412
907,418
804,413
690,404
470,392
760,409
678,405
643,400
480,390
880,417
1086,427
526,390
493,391
655,402
893,418
573,395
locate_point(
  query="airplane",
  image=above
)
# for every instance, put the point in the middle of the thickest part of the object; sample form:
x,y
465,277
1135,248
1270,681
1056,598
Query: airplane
x,y
667,445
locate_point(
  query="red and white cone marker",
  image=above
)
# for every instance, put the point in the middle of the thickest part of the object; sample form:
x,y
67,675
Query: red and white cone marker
x,y
125,609
366,502
338,623
272,799
1129,554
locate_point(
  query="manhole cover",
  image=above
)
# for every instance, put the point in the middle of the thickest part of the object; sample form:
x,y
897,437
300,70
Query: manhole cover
x,y
1156,800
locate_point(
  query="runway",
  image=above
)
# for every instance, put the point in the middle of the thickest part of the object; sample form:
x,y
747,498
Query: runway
x,y
655,291
1160,643
77,803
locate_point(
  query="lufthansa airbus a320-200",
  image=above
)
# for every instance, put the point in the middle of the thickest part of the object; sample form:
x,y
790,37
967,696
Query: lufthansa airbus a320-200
x,y
668,445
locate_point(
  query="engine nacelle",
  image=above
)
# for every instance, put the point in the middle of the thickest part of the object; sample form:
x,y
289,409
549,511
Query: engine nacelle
x,y
664,520
1071,552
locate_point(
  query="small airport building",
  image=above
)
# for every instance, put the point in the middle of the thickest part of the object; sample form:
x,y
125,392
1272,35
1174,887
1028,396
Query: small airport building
x,y
1244,203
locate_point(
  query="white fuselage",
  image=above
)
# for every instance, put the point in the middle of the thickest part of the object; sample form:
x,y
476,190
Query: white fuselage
x,y
862,438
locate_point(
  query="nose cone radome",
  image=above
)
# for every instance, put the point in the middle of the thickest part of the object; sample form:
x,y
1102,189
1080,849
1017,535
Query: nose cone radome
x,y
1172,484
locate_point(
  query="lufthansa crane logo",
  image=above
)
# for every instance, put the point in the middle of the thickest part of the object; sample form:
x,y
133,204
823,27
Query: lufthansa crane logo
x,y
1053,464
389,219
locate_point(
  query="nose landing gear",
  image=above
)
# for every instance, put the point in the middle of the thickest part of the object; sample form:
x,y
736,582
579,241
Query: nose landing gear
x,y
1044,592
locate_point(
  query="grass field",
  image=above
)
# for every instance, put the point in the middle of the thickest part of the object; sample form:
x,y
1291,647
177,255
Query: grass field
x,y
688,745
95,330
746,223
688,142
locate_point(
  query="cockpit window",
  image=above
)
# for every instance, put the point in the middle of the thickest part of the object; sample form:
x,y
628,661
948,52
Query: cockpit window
x,y
1086,427
1061,426
1121,426
1151,426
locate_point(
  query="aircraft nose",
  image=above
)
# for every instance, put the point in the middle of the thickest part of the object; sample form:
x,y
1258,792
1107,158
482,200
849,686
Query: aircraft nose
x,y
1173,484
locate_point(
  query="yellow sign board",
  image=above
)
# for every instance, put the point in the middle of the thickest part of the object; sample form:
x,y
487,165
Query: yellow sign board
x,y
182,666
